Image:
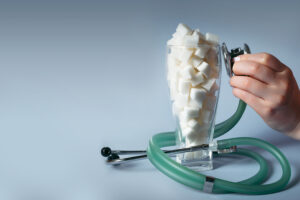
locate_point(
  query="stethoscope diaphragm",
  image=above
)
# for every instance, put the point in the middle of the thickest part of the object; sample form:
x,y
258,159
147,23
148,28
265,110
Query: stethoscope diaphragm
x,y
228,56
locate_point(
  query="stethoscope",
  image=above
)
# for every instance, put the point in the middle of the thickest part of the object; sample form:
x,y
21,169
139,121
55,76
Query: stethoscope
x,y
162,161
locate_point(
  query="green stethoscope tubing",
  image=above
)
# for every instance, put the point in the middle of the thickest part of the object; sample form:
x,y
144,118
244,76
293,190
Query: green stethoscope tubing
x,y
196,180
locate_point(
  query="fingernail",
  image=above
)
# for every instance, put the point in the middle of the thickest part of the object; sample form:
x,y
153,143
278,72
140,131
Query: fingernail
x,y
235,59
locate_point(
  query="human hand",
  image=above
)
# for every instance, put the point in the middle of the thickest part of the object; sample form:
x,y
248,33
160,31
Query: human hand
x,y
269,87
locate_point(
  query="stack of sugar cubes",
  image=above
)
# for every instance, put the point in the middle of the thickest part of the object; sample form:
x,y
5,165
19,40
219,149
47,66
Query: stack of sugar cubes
x,y
193,74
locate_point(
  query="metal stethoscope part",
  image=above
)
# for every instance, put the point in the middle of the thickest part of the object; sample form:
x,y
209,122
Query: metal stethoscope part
x,y
113,156
228,56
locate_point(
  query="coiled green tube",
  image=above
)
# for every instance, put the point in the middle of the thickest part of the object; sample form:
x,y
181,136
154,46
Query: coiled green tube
x,y
196,180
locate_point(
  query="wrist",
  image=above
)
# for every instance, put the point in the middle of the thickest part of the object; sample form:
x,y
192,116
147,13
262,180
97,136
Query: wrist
x,y
295,132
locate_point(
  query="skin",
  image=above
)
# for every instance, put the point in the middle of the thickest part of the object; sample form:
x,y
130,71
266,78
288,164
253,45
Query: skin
x,y
270,88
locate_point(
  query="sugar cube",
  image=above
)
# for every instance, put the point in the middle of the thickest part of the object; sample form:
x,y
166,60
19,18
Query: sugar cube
x,y
181,99
206,116
187,72
190,112
190,40
204,68
195,60
212,38
184,86
176,108
182,30
201,52
209,84
197,79
198,95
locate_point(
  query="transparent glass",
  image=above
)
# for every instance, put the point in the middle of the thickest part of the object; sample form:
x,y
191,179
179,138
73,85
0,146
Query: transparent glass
x,y
194,76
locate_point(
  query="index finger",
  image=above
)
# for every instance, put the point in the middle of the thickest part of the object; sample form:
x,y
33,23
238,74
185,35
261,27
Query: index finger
x,y
263,58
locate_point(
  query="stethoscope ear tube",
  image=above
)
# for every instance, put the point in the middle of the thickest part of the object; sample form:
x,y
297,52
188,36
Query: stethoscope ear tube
x,y
227,125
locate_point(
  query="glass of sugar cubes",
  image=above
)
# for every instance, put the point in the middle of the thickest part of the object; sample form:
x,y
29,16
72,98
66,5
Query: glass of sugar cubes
x,y
193,74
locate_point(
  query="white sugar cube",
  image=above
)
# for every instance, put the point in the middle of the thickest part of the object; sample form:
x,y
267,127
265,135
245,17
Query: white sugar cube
x,y
193,124
201,52
181,99
187,72
176,109
175,52
197,79
212,57
173,72
173,76
193,103
172,61
206,116
191,112
197,32
210,84
187,131
212,38
185,55
184,86
173,93
183,124
182,30
198,95
190,40
204,68
173,84
174,40
195,60
183,118
196,138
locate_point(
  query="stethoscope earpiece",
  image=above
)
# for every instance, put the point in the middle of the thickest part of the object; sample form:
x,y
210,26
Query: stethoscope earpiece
x,y
105,151
113,156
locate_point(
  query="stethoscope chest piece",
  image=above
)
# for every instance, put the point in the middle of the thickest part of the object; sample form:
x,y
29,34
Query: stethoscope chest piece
x,y
228,56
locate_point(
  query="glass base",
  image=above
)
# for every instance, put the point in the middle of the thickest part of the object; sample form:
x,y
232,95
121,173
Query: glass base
x,y
196,161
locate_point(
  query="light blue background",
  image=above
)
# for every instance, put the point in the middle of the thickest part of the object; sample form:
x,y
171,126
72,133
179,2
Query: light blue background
x,y
79,75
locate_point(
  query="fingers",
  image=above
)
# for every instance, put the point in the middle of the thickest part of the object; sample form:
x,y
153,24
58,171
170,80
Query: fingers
x,y
264,59
255,102
254,69
250,85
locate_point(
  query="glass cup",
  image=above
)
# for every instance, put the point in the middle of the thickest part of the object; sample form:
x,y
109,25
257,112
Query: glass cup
x,y
194,76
